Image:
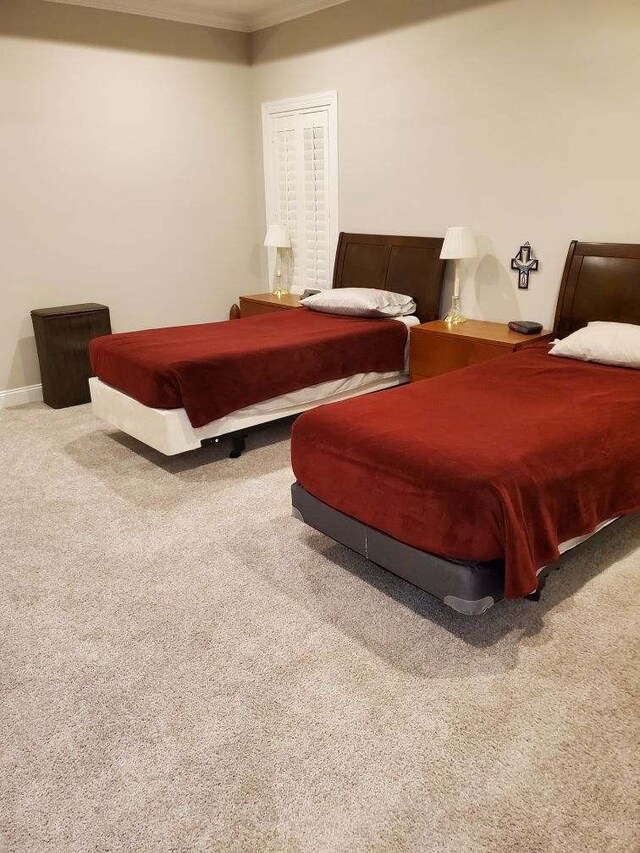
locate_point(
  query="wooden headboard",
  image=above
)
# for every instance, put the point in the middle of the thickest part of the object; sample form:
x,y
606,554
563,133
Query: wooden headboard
x,y
601,281
408,265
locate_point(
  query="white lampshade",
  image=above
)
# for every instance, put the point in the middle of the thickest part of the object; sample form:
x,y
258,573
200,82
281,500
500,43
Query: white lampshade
x,y
278,236
459,242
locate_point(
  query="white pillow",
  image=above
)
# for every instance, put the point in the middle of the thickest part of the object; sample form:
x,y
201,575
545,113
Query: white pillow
x,y
607,343
361,302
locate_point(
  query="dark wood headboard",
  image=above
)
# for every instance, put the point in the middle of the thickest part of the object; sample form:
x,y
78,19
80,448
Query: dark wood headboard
x,y
408,265
601,281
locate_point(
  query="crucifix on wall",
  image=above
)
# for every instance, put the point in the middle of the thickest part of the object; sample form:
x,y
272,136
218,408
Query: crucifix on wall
x,y
524,263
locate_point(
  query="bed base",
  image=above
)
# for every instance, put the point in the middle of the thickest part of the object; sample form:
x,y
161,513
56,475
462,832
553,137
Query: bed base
x,y
468,588
169,431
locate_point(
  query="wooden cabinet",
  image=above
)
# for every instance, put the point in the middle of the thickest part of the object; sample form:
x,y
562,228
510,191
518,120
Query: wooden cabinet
x,y
438,348
264,303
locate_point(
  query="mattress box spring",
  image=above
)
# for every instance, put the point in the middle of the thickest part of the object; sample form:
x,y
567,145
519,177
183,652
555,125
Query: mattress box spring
x,y
467,587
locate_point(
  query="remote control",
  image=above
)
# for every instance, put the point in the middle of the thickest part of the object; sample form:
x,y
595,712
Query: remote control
x,y
525,327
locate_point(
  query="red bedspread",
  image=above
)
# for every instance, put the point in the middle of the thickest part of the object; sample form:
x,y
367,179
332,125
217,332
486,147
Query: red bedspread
x,y
506,459
214,369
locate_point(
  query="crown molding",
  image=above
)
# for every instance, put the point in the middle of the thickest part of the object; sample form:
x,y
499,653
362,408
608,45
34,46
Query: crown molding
x,y
167,10
287,11
194,12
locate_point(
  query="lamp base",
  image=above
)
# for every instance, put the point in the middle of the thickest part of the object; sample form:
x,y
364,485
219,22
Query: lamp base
x,y
455,315
279,287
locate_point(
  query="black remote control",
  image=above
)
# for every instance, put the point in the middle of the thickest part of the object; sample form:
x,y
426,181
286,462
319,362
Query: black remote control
x,y
525,327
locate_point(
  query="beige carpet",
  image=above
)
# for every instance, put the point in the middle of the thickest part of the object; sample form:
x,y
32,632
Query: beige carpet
x,y
187,668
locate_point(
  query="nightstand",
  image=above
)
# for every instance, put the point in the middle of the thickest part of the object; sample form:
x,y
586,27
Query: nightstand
x,y
263,303
438,348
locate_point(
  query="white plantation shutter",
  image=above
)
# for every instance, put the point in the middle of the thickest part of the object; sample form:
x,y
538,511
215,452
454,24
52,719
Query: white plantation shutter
x,y
287,185
301,185
316,217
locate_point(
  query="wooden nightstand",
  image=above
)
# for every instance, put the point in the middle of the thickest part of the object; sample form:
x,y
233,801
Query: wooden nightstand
x,y
438,348
263,303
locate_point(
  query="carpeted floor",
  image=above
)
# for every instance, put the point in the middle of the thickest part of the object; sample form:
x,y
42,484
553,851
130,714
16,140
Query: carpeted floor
x,y
185,667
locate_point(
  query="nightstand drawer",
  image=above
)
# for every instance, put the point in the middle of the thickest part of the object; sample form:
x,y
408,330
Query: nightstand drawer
x,y
432,355
438,348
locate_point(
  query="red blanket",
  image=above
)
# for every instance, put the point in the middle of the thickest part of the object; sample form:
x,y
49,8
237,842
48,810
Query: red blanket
x,y
502,460
214,369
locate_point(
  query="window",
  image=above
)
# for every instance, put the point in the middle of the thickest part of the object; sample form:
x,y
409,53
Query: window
x,y
301,184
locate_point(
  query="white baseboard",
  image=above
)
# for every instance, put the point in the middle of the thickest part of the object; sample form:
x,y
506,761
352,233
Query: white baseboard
x,y
18,396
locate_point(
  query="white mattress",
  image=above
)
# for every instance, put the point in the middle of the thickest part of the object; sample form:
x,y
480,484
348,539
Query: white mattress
x,y
170,432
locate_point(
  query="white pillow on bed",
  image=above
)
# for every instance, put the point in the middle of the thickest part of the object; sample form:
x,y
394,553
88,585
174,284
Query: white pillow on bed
x,y
361,302
607,343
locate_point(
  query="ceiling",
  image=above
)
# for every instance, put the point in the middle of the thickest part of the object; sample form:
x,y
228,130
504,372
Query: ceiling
x,y
243,15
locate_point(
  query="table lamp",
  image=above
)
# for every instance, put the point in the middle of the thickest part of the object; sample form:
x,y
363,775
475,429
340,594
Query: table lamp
x,y
278,237
459,242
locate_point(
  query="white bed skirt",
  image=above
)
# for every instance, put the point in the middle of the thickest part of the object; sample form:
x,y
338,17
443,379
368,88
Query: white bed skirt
x,y
170,431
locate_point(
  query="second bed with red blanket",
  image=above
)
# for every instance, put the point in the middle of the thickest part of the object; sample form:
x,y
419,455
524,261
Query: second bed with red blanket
x,y
213,369
504,460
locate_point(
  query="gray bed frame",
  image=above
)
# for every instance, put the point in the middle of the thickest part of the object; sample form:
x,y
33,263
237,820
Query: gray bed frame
x,y
469,588
601,281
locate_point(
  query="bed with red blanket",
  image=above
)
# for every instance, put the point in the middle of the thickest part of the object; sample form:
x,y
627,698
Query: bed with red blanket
x,y
468,484
213,369
174,387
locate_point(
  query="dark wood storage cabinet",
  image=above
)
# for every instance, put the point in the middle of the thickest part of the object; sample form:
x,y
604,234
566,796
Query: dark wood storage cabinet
x,y
62,338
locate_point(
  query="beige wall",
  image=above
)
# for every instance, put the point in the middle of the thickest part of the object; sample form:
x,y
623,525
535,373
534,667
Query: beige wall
x,y
517,117
125,171
131,164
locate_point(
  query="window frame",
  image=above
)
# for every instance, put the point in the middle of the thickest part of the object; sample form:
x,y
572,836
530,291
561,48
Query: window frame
x,y
272,110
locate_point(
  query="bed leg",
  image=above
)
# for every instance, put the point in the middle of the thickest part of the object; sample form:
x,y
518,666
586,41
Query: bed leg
x,y
535,596
239,442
